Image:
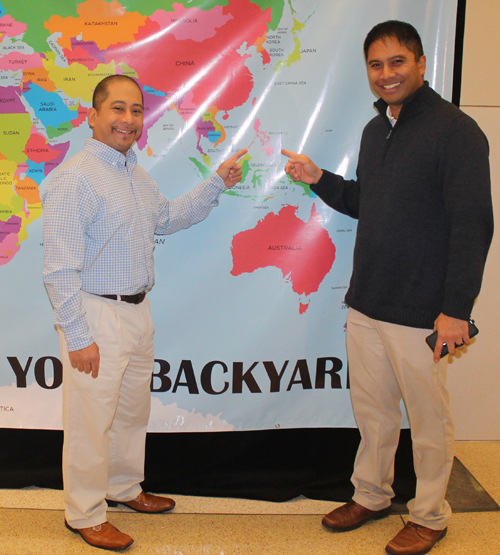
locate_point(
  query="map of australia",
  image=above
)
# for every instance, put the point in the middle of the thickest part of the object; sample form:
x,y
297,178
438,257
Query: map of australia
x,y
303,251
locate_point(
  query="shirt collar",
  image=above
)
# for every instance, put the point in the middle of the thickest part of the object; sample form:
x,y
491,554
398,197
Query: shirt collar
x,y
111,155
392,119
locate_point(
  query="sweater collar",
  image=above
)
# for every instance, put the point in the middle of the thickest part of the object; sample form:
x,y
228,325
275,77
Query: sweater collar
x,y
413,105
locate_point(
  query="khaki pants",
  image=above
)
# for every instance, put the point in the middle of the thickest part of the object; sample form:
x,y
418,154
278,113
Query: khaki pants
x,y
388,363
105,419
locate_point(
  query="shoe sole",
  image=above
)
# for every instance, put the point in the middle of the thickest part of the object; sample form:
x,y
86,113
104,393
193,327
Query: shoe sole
x,y
445,531
378,516
76,531
116,503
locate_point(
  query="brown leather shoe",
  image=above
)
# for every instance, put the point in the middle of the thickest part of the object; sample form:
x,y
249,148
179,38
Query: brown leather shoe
x,y
103,536
352,515
414,539
147,503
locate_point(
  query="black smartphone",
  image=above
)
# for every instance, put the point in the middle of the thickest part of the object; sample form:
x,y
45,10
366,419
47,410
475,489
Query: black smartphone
x,y
432,338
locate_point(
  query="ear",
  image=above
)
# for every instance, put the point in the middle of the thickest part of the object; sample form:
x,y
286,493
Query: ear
x,y
422,65
91,114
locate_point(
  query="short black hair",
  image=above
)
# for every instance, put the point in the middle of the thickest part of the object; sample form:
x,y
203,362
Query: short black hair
x,y
101,92
405,33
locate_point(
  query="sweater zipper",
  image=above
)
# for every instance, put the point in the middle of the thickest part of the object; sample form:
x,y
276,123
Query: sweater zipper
x,y
388,143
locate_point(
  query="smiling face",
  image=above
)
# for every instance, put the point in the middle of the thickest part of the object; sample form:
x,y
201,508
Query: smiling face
x,y
393,72
118,121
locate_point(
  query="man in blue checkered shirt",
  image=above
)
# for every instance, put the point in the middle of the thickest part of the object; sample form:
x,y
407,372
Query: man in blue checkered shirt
x,y
101,212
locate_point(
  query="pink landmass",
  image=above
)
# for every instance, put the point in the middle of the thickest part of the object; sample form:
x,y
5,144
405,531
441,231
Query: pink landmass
x,y
191,23
9,240
11,27
50,166
81,56
154,108
11,101
82,116
303,251
212,69
16,60
264,139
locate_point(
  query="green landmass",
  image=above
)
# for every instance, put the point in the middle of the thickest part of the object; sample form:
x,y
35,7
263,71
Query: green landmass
x,y
16,206
204,171
148,7
277,7
245,168
34,14
257,178
307,188
52,132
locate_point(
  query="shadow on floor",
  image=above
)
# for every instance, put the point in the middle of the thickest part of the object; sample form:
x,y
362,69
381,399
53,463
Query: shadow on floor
x,y
465,494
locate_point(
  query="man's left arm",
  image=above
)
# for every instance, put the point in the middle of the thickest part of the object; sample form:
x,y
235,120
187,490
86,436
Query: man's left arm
x,y
465,174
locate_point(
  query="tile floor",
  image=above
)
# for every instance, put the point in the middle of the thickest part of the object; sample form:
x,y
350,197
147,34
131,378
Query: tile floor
x,y
31,523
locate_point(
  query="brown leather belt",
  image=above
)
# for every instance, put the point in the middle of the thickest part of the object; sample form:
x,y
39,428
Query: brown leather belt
x,y
132,299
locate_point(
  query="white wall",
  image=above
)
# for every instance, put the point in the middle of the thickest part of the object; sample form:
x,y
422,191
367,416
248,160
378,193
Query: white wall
x,y
474,377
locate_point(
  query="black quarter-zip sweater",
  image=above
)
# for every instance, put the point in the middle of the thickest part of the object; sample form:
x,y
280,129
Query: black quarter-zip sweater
x,y
423,200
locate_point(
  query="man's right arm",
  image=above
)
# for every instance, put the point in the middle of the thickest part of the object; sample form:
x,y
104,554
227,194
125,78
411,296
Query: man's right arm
x,y
66,214
335,191
301,168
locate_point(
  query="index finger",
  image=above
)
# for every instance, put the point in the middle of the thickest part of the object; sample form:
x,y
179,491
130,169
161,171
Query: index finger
x,y
238,155
288,153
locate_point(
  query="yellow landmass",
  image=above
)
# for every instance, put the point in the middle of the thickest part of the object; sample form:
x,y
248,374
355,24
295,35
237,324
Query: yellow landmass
x,y
77,81
28,214
127,70
101,21
207,161
34,212
7,170
14,134
293,57
297,25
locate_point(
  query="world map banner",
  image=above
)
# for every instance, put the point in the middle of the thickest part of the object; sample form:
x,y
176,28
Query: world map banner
x,y
249,304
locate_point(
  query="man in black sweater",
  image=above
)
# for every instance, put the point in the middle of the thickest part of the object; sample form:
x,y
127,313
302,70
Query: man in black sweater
x,y
423,200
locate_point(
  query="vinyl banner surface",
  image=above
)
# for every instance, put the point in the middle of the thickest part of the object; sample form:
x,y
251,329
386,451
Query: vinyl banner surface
x,y
249,304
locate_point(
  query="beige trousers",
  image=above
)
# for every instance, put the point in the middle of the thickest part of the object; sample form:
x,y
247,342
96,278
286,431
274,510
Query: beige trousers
x,y
387,363
105,419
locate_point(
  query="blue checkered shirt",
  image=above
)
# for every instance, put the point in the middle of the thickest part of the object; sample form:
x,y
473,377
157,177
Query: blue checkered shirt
x,y
101,212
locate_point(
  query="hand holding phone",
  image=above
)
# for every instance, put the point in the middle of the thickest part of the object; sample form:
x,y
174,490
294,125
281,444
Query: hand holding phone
x,y
432,338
